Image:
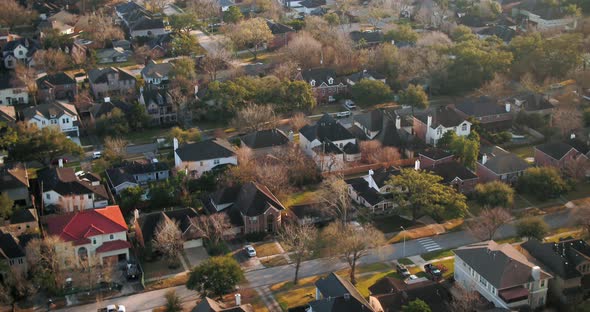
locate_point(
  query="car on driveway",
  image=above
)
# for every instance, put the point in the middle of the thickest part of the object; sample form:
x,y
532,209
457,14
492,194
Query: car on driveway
x,y
132,271
402,270
343,114
349,104
250,251
432,270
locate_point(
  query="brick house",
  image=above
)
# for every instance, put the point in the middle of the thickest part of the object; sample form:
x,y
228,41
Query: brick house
x,y
434,156
455,174
488,112
281,34
252,208
432,125
500,165
323,82
372,191
556,154
146,225
111,80
58,86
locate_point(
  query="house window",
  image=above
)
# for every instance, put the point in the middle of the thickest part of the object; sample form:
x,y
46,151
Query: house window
x,y
201,164
464,127
312,83
94,241
439,131
20,261
483,281
89,196
330,81
20,53
542,283
216,161
253,219
11,262
48,196
111,237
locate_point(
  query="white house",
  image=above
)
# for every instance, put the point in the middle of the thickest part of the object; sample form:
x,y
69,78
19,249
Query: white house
x,y
155,73
431,126
502,275
19,50
12,91
200,157
98,235
67,191
54,114
372,191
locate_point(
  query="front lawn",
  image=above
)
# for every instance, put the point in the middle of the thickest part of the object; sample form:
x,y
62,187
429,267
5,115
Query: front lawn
x,y
274,261
364,282
146,136
159,268
392,224
580,190
295,297
405,261
266,249
543,203
449,264
437,254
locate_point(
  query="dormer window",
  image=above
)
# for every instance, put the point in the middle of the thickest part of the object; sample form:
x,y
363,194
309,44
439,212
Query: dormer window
x,y
330,80
312,83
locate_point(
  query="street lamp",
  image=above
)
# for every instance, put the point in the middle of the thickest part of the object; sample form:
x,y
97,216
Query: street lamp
x,y
404,230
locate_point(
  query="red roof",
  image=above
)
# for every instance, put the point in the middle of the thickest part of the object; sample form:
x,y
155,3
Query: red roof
x,y
79,226
113,245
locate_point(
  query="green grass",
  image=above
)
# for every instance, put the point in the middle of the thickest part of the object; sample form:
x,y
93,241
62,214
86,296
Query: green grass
x,y
392,224
449,264
146,136
437,254
405,261
329,108
543,203
523,151
159,268
300,198
364,282
580,190
373,267
295,297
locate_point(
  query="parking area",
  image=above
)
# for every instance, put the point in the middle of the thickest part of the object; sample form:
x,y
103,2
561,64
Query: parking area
x,y
196,255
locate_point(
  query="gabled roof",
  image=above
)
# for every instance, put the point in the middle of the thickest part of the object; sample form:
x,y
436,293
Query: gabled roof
x,y
9,247
312,3
204,150
13,176
557,257
23,216
505,163
265,138
160,97
365,74
112,53
319,75
59,79
501,265
254,199
128,7
101,75
278,28
372,120
435,153
333,286
31,45
531,102
148,222
118,176
481,107
65,182
156,70
7,114
444,116
327,128
147,23
210,305
160,40
501,31
393,294
8,81
103,108
449,171
50,110
556,150
78,227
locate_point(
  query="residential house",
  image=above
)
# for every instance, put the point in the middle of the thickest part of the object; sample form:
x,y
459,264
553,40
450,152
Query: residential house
x,y
156,73
113,55
532,103
136,173
159,106
311,213
138,21
12,91
20,50
6,36
14,181
263,142
98,236
372,191
329,143
366,38
65,191
354,78
8,115
12,254
54,114
60,86
500,165
146,226
225,4
22,221
506,33
310,7
204,156
488,112
431,126
107,106
434,156
502,275
336,294
454,174
123,44
392,294
542,17
47,26
210,305
557,154
160,45
569,262
324,83
110,80
281,34
252,208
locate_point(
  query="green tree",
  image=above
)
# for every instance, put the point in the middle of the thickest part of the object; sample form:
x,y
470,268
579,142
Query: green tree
x,y
183,23
183,44
6,206
233,15
462,33
173,303
41,145
466,150
215,277
415,97
130,198
299,96
542,182
422,193
251,34
532,228
184,68
137,117
184,136
447,140
332,18
113,123
403,33
370,92
416,306
494,194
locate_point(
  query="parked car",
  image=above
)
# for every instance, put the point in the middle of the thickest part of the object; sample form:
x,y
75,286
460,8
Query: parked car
x,y
132,271
349,104
96,155
402,270
343,114
113,308
250,251
432,270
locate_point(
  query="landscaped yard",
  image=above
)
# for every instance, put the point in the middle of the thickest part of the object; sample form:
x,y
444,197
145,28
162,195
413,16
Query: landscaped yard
x,y
159,268
266,249
274,261
364,282
146,136
391,224
295,297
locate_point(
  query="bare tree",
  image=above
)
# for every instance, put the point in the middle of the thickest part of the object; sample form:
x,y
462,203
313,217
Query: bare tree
x,y
47,261
566,116
115,149
15,287
434,39
168,240
204,9
51,60
352,242
298,121
497,87
252,35
489,221
333,195
212,226
373,152
13,14
27,76
216,59
300,239
255,117
577,168
303,49
99,27
464,299
285,70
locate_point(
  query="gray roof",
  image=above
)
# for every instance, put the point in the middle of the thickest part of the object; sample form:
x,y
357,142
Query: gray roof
x,y
506,163
10,247
204,150
444,116
101,75
254,199
559,258
481,107
47,110
59,79
327,128
112,53
156,70
372,120
557,150
501,265
339,294
451,170
265,138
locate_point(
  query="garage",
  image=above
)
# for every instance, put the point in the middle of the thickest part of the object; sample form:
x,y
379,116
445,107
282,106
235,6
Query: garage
x,y
193,243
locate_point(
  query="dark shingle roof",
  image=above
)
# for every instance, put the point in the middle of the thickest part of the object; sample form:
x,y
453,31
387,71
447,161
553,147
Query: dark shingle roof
x,y
8,81
101,75
10,247
254,199
451,170
372,120
351,148
393,294
506,163
442,116
23,216
47,110
501,31
531,102
327,128
365,74
118,176
319,75
556,259
334,286
265,138
210,305
65,182
204,150
368,36
103,108
59,79
501,265
156,70
278,28
557,150
481,107
435,153
149,222
13,176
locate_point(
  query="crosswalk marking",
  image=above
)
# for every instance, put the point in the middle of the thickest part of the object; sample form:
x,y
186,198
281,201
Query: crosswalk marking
x,y
429,244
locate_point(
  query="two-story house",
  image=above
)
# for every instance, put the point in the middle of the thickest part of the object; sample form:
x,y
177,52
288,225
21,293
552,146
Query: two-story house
x,y
502,275
281,34
329,143
531,103
113,55
156,73
434,156
488,112
500,165
334,293
60,86
431,126
136,173
265,141
138,21
453,174
569,262
19,51
557,154
159,106
12,254
111,80
54,114
146,226
324,83
252,208
22,221
12,90
200,157
98,236
66,191
372,191
392,294
14,181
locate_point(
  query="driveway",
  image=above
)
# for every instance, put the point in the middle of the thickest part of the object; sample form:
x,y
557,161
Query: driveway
x,y
196,255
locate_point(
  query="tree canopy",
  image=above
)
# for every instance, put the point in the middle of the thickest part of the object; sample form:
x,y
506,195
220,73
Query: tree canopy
x,y
41,145
216,276
415,97
494,194
370,92
403,33
417,305
542,182
532,228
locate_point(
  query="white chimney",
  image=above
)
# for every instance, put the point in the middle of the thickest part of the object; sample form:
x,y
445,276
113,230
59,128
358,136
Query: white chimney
x,y
429,121
398,122
370,180
136,214
175,143
572,136
60,163
107,99
507,105
238,299
417,164
484,159
536,273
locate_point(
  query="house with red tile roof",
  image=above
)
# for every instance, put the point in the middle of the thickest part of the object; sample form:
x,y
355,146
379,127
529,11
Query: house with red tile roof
x,y
99,234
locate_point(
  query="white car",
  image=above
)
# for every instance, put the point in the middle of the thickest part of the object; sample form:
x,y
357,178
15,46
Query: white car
x,y
349,104
343,114
250,251
96,155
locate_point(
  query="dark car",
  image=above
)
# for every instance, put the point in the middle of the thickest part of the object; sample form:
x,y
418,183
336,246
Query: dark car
x,y
432,270
132,271
402,270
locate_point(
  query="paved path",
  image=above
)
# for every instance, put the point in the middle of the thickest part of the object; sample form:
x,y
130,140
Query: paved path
x,y
269,300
